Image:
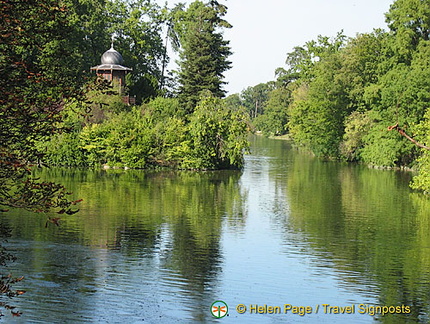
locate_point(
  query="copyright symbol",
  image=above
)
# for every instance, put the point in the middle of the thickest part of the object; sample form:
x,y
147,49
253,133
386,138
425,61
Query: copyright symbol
x,y
241,308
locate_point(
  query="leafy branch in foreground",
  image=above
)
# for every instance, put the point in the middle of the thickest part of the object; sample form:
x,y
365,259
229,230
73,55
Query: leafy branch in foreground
x,y
6,283
37,76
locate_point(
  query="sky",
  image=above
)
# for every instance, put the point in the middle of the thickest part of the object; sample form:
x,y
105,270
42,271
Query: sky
x,y
264,31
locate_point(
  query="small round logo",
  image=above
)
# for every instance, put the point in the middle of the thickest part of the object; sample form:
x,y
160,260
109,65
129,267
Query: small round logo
x,y
219,309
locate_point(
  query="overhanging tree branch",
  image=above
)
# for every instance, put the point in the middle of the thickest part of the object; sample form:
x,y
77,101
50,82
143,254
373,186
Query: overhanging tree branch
x,y
403,133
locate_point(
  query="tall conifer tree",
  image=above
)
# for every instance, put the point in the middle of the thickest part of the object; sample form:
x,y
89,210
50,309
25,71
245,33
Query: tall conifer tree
x,y
204,54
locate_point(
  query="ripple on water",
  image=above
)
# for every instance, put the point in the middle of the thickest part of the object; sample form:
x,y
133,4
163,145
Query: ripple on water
x,y
290,230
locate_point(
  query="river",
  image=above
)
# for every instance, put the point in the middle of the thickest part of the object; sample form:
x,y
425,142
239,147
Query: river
x,y
290,239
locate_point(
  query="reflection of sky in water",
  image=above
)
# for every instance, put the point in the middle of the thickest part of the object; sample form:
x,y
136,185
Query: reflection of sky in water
x,y
267,265
157,271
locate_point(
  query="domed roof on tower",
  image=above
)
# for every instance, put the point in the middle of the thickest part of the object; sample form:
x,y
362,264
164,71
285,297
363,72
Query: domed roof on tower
x,y
111,56
113,71
111,60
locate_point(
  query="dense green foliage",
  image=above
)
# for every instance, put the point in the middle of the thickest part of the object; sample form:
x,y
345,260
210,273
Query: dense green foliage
x,y
36,43
53,113
47,49
137,27
197,130
34,48
204,52
422,181
218,135
345,98
157,134
274,119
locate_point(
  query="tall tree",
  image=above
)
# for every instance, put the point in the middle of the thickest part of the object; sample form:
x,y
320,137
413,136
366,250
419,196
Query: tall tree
x,y
91,20
410,22
320,103
203,58
137,24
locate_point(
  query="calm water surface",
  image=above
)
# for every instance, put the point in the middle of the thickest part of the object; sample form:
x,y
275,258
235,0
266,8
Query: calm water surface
x,y
161,247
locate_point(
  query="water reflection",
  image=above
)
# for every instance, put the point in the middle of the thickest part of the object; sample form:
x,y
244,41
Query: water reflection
x,y
161,230
160,247
365,222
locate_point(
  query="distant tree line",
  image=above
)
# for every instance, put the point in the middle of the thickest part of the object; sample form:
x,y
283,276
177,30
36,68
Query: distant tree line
x,y
363,99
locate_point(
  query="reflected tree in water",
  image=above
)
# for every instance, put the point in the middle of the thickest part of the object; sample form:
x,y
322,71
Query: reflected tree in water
x,y
166,219
338,208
